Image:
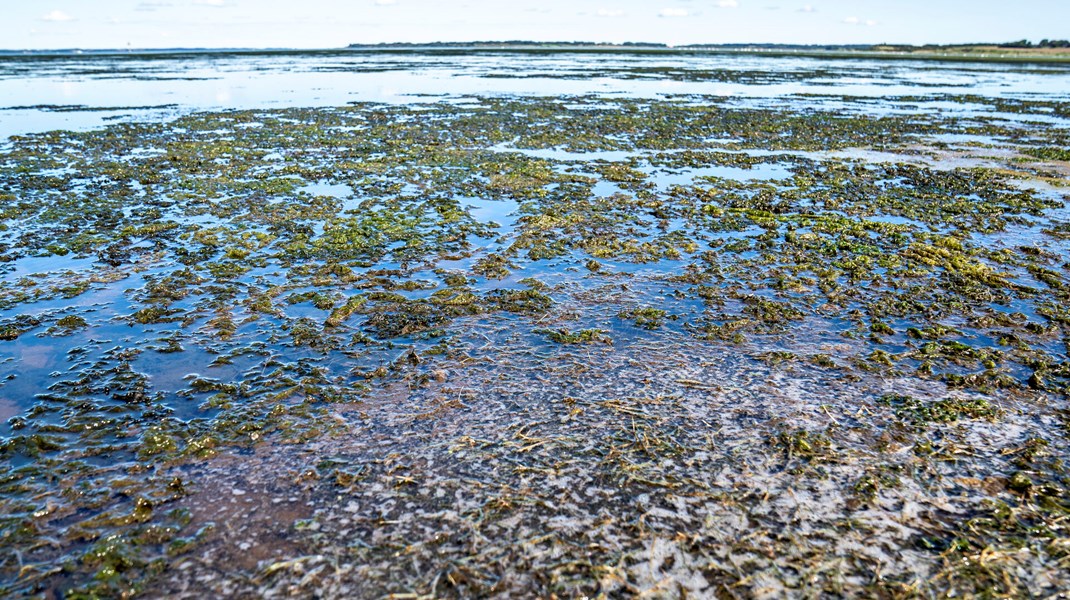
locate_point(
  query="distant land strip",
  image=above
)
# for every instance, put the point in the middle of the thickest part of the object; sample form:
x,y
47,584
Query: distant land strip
x,y
1047,51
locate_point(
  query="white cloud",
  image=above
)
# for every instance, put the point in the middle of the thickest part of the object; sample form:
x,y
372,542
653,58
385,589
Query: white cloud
x,y
857,21
727,3
210,2
606,12
808,9
57,16
385,2
673,12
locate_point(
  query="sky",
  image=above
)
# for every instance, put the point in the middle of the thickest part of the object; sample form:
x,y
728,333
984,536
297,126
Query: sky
x,y
44,24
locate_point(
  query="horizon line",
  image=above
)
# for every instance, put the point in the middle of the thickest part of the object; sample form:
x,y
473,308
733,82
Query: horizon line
x,y
625,44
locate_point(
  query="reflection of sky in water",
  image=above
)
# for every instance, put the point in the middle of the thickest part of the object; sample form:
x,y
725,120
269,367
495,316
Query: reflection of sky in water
x,y
200,82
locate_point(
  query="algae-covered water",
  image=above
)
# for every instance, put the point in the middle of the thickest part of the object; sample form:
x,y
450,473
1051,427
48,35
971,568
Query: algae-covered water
x,y
501,324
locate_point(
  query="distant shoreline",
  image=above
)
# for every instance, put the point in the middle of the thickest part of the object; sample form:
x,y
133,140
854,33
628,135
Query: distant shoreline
x,y
959,53
955,53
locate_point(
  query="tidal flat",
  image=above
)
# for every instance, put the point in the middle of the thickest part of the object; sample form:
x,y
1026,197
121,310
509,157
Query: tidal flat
x,y
503,325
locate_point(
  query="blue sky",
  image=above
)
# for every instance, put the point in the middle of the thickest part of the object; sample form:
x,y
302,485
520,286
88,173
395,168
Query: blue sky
x,y
334,23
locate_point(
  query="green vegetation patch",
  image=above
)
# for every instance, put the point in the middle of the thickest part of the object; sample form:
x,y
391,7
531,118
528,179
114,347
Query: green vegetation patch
x,y
945,410
198,292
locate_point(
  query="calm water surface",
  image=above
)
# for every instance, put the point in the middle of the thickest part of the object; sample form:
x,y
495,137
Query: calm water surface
x,y
75,92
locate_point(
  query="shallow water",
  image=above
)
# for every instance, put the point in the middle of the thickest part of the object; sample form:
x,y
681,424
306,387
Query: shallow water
x,y
82,89
469,308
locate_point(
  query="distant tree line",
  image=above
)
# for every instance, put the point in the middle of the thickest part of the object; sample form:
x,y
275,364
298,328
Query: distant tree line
x,y
789,47
1040,44
501,43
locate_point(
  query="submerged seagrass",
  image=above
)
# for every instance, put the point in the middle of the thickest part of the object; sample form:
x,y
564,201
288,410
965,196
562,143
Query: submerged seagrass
x,y
534,345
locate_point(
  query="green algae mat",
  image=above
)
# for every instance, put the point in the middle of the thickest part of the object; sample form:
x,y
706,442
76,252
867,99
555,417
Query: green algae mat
x,y
554,346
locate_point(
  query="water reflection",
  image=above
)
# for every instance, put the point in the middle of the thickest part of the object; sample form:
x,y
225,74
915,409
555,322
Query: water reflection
x,y
182,83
